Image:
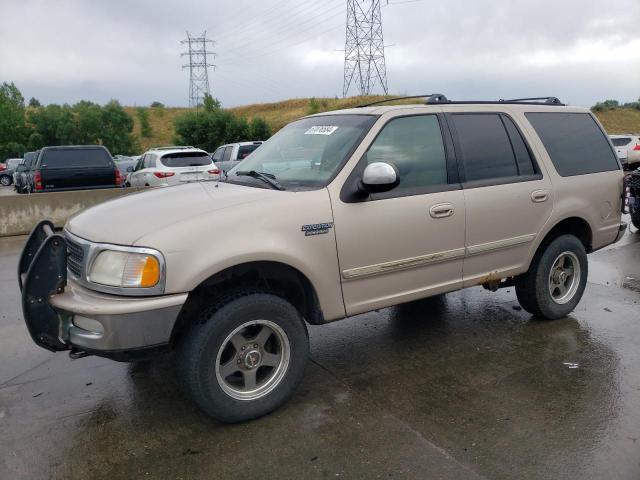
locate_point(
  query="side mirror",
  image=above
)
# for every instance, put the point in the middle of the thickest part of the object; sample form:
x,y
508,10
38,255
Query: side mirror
x,y
379,177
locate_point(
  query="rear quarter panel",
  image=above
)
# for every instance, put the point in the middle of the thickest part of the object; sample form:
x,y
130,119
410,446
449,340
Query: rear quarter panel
x,y
595,198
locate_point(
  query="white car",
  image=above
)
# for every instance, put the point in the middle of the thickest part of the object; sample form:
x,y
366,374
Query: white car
x,y
628,149
161,167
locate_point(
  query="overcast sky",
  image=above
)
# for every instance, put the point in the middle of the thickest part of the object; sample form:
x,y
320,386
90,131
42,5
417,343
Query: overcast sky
x,y
68,50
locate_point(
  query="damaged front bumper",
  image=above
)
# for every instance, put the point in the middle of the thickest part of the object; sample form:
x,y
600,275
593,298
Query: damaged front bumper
x,y
63,315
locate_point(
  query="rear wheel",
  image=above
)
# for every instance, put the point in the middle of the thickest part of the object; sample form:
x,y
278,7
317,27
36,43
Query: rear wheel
x,y
247,358
556,279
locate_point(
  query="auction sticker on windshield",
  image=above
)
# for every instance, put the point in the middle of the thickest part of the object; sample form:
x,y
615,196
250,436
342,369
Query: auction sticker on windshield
x,y
321,130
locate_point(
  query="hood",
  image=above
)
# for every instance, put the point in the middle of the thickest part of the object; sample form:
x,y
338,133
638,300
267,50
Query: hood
x,y
126,219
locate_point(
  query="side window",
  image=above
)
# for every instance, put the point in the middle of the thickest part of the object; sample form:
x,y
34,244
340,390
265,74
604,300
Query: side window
x,y
227,153
575,143
486,149
217,155
139,165
149,161
415,147
522,153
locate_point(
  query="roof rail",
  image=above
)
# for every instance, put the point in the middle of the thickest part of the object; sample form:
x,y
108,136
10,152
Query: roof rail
x,y
437,98
549,100
169,147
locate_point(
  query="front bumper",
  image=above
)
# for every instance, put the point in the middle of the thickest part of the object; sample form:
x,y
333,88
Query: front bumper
x,y
63,315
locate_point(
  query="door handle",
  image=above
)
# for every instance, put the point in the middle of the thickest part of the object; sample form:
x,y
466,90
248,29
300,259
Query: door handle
x,y
539,196
441,210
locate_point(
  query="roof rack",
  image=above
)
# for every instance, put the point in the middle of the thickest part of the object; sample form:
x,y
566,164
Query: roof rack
x,y
438,98
549,100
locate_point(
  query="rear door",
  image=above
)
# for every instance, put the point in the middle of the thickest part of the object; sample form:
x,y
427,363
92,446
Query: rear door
x,y
77,168
507,197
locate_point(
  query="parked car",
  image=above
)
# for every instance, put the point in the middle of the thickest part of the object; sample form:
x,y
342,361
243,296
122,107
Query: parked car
x,y
74,167
405,202
228,156
6,175
125,165
628,149
161,167
21,177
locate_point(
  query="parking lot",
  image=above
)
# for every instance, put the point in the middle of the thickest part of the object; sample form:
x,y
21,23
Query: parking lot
x,y
463,386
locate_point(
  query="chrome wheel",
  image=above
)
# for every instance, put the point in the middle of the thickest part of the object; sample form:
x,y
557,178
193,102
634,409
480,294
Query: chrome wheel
x,y
5,181
564,277
252,360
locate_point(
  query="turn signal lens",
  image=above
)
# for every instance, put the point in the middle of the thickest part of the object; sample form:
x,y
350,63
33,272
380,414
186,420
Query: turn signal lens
x,y
141,271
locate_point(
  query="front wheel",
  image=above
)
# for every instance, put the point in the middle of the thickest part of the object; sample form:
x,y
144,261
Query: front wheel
x,y
556,279
246,358
5,181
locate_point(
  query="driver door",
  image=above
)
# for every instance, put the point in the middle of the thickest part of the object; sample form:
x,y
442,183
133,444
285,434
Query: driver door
x,y
407,243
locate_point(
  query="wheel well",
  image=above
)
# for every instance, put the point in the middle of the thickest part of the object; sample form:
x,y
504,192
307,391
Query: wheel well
x,y
573,226
275,277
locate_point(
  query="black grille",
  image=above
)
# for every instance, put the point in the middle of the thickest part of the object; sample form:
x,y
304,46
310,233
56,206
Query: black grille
x,y
75,258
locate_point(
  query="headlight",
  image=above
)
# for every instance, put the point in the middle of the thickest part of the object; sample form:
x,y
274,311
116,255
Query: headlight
x,y
125,269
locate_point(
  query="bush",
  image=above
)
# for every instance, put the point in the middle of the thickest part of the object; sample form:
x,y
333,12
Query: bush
x,y
259,129
314,106
209,129
157,105
145,127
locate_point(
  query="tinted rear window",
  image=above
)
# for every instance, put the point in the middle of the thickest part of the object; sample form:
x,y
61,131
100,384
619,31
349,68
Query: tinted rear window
x,y
95,157
620,142
185,159
575,143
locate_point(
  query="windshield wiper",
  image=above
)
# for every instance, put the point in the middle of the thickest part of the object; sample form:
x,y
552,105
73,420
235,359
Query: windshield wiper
x,y
265,177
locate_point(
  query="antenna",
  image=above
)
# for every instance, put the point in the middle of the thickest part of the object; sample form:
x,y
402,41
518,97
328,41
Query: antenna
x,y
198,66
364,62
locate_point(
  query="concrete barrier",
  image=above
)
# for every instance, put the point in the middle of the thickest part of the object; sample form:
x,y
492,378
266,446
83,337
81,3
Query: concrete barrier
x,y
20,213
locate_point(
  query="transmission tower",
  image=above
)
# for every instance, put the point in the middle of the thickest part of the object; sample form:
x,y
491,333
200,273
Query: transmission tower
x,y
198,66
364,62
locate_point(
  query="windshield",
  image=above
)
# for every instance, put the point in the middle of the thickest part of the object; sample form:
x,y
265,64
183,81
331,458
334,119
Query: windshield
x,y
307,153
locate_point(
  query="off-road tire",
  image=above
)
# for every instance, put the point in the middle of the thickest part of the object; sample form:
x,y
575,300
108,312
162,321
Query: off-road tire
x,y
532,287
199,349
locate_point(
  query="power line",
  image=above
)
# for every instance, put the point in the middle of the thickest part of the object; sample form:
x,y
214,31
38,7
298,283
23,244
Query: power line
x,y
198,67
300,27
364,57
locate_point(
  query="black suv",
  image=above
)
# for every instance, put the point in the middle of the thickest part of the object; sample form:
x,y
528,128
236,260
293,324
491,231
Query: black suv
x,y
78,167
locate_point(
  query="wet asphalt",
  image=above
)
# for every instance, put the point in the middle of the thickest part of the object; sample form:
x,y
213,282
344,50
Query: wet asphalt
x,y
462,386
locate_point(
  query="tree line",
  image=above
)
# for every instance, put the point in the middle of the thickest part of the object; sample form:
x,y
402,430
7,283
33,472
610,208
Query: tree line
x,y
27,127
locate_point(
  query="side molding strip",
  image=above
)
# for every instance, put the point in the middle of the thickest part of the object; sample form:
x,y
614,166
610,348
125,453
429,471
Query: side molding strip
x,y
403,264
438,257
500,244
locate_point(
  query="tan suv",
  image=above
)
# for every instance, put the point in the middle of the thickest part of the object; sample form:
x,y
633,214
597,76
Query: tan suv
x,y
337,214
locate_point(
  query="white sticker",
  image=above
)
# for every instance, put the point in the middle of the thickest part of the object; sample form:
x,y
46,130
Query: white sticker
x,y
321,130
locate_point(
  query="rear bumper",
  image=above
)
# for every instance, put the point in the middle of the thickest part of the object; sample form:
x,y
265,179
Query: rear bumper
x,y
63,315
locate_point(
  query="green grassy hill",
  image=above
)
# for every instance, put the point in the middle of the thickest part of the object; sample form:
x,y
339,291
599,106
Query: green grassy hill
x,y
278,114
